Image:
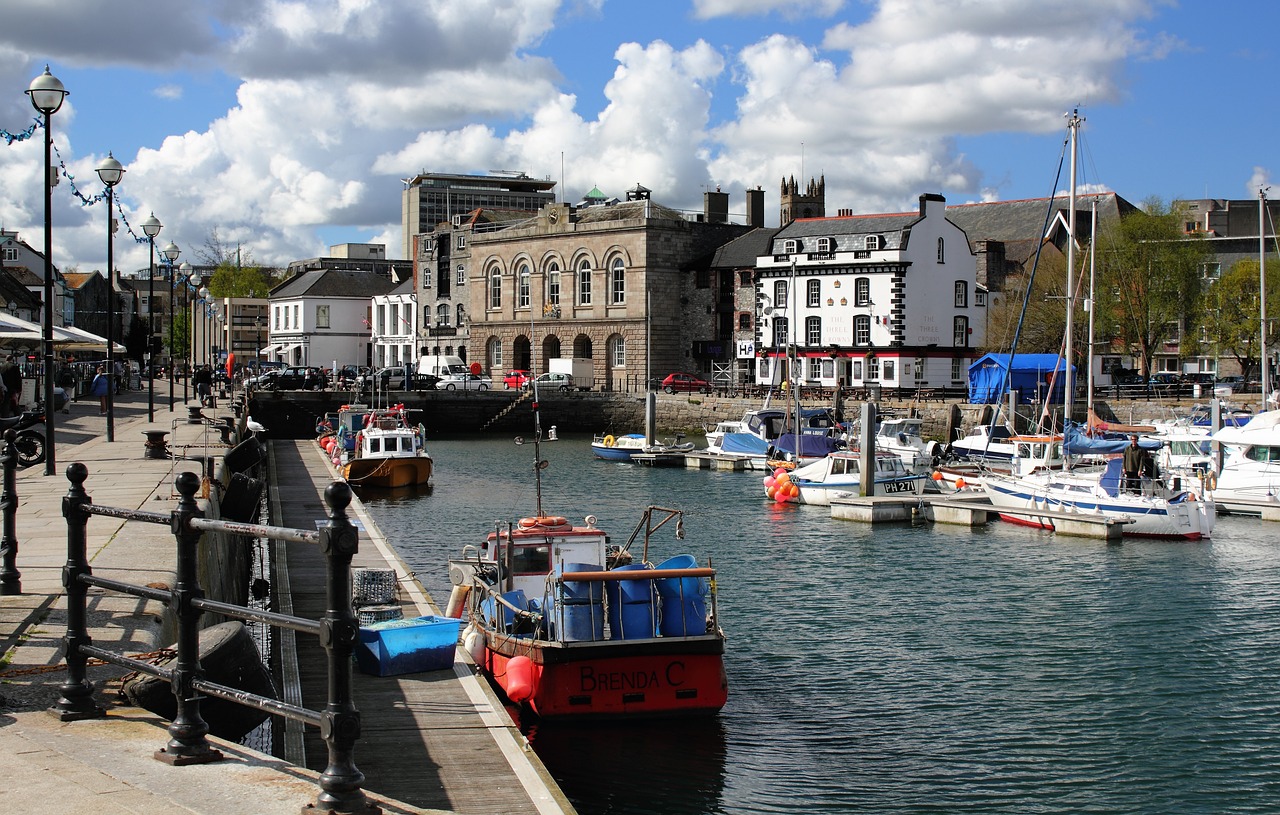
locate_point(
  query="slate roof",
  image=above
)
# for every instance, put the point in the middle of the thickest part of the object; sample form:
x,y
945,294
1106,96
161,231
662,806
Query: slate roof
x,y
334,283
742,252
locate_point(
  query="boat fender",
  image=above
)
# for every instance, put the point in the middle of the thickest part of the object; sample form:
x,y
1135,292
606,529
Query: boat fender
x,y
473,644
457,601
1211,481
608,441
520,679
1191,496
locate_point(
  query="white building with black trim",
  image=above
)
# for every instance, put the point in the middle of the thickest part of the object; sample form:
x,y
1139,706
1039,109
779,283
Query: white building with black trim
x,y
860,300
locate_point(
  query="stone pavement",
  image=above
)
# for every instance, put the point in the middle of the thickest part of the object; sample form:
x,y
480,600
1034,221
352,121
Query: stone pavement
x,y
107,765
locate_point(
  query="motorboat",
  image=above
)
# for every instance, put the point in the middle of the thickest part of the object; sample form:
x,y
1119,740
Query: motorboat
x,y
626,446
905,438
838,475
1250,474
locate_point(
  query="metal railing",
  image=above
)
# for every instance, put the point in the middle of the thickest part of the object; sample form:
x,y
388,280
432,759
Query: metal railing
x,y
339,722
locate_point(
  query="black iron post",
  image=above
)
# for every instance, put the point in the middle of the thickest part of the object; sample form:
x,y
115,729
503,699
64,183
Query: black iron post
x,y
10,577
76,701
151,331
341,781
50,463
187,742
173,281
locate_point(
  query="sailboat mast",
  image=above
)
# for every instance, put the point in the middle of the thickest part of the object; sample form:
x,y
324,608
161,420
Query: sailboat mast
x,y
1093,256
1068,396
1262,290
791,361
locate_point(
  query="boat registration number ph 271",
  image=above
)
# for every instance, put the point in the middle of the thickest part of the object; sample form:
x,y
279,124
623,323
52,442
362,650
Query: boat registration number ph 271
x,y
894,487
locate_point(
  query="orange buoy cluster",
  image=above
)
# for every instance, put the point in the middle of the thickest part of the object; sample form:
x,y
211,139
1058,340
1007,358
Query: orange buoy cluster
x,y
779,487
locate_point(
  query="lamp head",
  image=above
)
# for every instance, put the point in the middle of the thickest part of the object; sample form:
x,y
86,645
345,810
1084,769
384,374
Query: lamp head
x,y
110,170
46,93
152,226
171,251
185,269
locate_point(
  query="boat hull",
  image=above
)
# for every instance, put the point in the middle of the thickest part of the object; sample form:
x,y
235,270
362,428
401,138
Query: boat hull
x,y
1150,518
651,678
388,473
613,453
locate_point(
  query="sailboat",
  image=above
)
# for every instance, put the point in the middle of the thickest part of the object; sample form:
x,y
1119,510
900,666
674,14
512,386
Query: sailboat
x,y
1155,512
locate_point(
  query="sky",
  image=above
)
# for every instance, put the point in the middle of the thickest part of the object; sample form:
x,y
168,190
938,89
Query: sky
x,y
284,127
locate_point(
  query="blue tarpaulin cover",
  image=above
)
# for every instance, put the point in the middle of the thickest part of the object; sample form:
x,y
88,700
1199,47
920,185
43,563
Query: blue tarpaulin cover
x,y
989,383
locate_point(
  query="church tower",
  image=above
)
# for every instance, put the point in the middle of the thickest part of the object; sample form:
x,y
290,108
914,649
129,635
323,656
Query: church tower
x,y
813,204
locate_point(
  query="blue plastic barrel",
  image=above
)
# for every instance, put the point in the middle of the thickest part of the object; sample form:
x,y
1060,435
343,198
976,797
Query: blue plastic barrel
x,y
684,603
581,622
574,591
631,606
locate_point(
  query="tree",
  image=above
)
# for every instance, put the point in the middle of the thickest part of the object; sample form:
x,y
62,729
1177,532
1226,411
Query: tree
x,y
1045,320
179,336
1233,313
230,280
1149,279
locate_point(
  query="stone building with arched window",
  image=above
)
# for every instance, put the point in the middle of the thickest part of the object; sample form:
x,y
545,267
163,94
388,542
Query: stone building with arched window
x,y
625,285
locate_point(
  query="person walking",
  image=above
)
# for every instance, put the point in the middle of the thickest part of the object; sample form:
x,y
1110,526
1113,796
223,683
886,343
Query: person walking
x,y
1137,462
100,387
11,381
203,379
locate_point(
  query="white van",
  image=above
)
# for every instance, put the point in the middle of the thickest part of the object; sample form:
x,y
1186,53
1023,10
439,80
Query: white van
x,y
441,365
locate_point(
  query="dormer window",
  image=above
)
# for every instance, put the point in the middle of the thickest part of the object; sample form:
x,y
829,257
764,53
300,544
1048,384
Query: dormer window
x,y
872,242
826,245
790,246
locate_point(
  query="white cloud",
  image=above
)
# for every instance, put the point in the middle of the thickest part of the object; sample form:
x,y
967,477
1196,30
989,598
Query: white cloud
x,y
170,92
709,9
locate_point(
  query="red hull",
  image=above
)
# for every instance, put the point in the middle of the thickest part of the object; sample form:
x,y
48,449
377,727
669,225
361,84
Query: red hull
x,y
624,686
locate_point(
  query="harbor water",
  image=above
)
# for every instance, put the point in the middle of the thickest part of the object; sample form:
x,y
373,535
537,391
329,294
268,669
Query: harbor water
x,y
906,668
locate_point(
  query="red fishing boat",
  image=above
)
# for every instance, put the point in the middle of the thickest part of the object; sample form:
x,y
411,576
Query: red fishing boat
x,y
568,625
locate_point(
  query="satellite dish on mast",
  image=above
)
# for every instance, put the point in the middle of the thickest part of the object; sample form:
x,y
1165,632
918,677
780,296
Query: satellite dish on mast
x,y
767,310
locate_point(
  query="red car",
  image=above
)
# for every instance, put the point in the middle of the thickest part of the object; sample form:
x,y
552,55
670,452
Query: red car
x,y
685,382
516,379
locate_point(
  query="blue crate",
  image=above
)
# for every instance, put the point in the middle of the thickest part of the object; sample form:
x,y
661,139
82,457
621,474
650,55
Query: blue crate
x,y
407,646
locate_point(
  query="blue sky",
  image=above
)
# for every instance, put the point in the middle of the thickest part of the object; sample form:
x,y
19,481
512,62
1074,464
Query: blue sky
x,y
288,126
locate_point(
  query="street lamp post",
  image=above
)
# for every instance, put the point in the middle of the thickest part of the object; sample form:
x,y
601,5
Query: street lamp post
x,y
110,171
204,296
151,227
184,271
171,252
46,94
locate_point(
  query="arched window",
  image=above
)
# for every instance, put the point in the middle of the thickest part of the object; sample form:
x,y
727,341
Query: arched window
x,y
961,338
873,242
523,278
826,245
789,246
442,314
584,282
495,288
553,283
493,353
813,331
617,282
941,253
617,351
862,291
862,330
779,294
461,312
962,294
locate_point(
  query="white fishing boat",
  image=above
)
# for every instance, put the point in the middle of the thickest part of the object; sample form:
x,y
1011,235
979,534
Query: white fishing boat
x,y
905,439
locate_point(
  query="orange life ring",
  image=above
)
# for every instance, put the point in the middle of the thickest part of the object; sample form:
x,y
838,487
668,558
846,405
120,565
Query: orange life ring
x,y
545,520
608,441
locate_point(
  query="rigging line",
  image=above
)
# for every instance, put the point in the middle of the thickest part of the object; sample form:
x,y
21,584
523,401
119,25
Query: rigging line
x,y
1026,297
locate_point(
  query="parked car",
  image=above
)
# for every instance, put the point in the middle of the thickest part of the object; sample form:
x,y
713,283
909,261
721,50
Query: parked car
x,y
555,380
1165,381
465,382
685,382
516,379
1198,378
299,378
385,379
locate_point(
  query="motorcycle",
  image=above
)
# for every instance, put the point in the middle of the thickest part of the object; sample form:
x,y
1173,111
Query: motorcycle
x,y
29,441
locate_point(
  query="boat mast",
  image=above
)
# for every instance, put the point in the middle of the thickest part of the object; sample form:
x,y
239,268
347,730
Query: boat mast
x,y
1262,290
538,463
791,362
1093,256
1068,397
